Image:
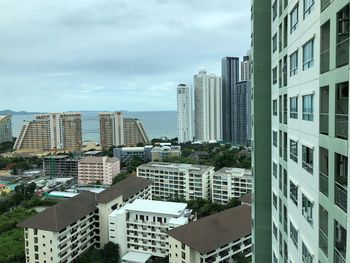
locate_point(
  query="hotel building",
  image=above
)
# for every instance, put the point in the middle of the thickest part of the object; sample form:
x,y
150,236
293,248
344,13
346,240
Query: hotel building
x,y
5,129
184,113
177,180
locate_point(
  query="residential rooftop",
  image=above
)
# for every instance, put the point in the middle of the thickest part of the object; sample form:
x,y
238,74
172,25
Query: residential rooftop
x,y
229,171
175,166
215,231
95,159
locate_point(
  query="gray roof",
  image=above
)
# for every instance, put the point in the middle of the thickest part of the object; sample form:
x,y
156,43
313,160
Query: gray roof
x,y
59,216
127,188
215,231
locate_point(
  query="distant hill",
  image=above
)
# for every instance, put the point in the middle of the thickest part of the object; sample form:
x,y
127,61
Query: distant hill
x,y
10,112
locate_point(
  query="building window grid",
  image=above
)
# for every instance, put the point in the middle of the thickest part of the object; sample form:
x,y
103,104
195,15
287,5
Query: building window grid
x,y
294,18
308,54
308,7
293,148
307,161
307,207
293,234
293,192
293,107
293,61
308,107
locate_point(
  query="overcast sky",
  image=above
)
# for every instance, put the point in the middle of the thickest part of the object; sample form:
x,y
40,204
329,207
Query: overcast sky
x,y
62,55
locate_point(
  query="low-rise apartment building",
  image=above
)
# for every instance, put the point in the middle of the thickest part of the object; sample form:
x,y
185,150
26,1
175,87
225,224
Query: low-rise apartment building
x,y
215,238
60,166
228,183
62,232
161,153
92,170
177,180
141,226
125,154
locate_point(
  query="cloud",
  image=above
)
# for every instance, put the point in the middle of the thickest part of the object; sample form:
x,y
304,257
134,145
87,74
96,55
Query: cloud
x,y
112,54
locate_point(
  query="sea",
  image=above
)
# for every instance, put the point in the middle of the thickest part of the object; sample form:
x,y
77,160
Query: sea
x,y
158,124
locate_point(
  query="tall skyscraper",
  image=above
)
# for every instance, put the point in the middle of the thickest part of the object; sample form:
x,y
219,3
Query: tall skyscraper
x,y
261,133
184,113
111,129
246,68
207,107
54,131
230,76
5,129
309,98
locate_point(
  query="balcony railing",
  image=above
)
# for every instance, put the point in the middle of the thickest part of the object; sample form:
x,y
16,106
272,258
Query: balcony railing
x,y
323,183
341,196
324,123
323,240
341,126
338,257
343,53
324,63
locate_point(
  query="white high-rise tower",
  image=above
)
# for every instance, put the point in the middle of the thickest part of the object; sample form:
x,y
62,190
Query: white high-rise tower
x,y
184,113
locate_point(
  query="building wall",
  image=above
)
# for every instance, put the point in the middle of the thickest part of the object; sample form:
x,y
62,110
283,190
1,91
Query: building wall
x,y
60,167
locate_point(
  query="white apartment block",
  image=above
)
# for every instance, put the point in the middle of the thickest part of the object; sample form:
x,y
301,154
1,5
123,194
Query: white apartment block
x,y
5,129
177,180
160,153
207,107
228,183
215,238
184,113
64,231
98,169
141,226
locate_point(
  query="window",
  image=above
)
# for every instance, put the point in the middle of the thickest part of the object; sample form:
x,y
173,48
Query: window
x,y
294,18
274,75
274,199
325,43
274,231
293,61
308,107
307,206
293,150
293,192
293,234
274,107
306,255
293,107
274,138
274,43
342,47
274,10
308,155
274,169
308,54
308,6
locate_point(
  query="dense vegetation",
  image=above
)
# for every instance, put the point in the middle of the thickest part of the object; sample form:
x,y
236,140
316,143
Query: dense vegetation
x,y
11,237
6,146
20,163
203,208
109,254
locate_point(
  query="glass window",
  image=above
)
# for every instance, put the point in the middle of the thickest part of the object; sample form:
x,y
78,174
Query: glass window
x,y
293,61
308,107
274,107
308,54
307,207
274,75
308,7
293,192
274,138
274,201
274,43
294,18
293,145
293,234
306,255
308,155
274,167
293,107
274,10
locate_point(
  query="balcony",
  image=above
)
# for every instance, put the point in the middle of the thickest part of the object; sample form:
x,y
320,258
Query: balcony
x,y
323,242
341,126
323,183
324,63
341,196
343,53
324,123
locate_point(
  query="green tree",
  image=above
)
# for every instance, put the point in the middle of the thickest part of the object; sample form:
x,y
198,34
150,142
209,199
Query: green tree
x,y
111,253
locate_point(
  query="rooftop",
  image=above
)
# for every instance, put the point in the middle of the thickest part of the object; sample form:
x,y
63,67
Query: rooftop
x,y
59,216
214,231
177,166
136,257
127,188
228,171
156,207
94,159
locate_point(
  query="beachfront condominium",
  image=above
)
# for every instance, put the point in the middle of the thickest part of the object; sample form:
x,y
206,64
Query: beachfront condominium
x,y
92,170
63,232
116,130
172,180
228,183
140,228
207,107
5,129
309,111
184,113
111,129
54,131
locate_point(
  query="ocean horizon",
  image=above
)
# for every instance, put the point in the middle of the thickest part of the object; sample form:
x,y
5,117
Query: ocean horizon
x,y
156,123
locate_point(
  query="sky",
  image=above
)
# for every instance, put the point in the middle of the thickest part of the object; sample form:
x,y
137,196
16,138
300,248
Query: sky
x,y
64,55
